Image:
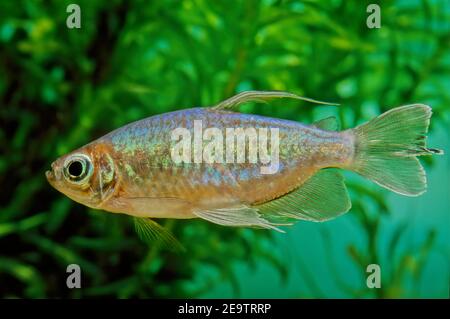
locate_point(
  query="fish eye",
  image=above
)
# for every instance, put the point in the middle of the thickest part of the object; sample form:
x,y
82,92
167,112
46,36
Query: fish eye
x,y
75,169
78,168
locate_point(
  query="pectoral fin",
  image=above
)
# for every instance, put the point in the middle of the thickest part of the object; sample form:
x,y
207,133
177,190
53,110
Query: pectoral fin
x,y
151,232
239,216
260,96
322,197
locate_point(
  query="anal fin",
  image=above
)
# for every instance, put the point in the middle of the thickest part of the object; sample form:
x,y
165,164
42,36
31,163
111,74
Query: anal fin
x,y
322,197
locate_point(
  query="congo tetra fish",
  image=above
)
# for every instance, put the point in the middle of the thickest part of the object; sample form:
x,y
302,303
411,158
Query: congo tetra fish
x,y
136,169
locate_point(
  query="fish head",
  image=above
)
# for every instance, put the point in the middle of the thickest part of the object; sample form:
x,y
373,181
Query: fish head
x,y
87,175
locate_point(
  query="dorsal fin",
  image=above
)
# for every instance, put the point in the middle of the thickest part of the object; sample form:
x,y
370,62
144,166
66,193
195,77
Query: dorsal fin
x,y
323,196
328,123
260,96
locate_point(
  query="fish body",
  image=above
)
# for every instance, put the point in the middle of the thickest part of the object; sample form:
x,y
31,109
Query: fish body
x,y
132,169
141,152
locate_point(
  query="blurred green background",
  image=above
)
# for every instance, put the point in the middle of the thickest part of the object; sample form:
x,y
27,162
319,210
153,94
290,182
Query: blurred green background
x,y
60,88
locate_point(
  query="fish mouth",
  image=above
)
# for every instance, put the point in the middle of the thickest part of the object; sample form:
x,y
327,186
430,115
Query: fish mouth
x,y
50,176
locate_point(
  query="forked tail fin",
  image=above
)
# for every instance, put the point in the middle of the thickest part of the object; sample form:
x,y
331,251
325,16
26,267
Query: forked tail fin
x,y
386,149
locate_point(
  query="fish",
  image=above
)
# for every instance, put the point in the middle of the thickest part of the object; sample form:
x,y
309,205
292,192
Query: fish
x,y
133,170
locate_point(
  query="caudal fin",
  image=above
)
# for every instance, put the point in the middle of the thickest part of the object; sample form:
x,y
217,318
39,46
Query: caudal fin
x,y
386,149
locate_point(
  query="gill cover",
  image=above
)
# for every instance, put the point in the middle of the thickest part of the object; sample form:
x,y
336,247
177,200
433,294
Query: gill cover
x,y
104,178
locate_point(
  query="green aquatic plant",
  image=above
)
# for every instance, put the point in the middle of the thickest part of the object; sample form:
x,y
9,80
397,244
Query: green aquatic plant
x,y
60,88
